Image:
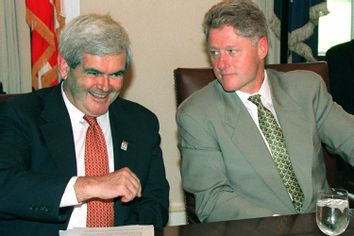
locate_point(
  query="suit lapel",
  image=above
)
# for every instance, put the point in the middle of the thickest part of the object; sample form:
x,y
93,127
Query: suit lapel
x,y
254,149
57,132
123,140
296,132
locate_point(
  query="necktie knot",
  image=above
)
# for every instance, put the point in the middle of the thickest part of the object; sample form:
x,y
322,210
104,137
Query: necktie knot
x,y
256,99
91,120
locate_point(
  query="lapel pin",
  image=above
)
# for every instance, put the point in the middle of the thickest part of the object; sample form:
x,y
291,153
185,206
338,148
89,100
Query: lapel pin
x,y
124,145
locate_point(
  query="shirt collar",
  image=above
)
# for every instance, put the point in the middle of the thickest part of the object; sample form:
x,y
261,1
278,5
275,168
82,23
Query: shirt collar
x,y
264,91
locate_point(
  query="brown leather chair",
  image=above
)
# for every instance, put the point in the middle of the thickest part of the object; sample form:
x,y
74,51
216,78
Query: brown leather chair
x,y
189,80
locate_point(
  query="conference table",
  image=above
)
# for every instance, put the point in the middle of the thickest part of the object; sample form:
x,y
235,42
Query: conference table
x,y
301,224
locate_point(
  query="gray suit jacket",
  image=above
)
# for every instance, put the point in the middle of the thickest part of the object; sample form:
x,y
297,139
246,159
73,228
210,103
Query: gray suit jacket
x,y
226,163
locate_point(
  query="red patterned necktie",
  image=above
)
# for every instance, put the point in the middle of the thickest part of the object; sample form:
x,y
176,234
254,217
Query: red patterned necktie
x,y
100,213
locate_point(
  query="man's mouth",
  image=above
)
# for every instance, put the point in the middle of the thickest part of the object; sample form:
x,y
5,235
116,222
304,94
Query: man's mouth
x,y
99,95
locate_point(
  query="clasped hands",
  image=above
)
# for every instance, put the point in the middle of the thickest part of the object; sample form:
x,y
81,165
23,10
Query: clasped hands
x,y
121,183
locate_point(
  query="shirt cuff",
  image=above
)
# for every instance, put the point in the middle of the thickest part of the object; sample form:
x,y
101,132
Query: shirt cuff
x,y
69,196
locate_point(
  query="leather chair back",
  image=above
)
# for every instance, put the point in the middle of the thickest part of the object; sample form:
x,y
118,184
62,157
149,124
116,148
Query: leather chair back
x,y
189,80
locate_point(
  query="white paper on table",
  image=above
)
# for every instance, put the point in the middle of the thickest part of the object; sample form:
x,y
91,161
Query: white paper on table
x,y
129,230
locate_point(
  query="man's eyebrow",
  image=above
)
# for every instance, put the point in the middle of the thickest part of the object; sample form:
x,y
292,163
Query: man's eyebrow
x,y
89,69
98,72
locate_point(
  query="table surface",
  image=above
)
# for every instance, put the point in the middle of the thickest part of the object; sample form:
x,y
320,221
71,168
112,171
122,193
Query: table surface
x,y
304,224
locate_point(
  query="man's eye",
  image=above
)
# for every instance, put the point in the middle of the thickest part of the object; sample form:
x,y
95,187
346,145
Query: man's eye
x,y
231,51
214,53
118,74
92,73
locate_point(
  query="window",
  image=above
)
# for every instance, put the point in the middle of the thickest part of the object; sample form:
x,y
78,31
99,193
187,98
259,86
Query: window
x,y
335,27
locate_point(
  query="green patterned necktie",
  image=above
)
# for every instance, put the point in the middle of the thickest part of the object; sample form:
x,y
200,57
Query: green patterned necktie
x,y
275,139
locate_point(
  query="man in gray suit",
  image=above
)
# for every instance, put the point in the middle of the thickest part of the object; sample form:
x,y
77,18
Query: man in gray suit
x,y
228,162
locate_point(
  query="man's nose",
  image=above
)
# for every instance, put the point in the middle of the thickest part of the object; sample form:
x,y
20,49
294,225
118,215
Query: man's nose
x,y
223,61
104,82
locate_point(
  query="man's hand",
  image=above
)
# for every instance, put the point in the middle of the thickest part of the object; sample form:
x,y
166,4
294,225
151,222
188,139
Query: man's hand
x,y
121,183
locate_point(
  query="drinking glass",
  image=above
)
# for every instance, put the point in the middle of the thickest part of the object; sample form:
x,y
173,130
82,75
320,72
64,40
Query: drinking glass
x,y
332,211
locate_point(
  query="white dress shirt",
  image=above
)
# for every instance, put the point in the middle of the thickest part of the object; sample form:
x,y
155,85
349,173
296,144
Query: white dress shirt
x,y
79,126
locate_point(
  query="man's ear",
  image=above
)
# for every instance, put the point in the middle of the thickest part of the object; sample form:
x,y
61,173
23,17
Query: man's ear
x,y
262,47
63,67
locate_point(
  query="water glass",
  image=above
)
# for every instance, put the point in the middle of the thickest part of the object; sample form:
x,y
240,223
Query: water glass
x,y
332,211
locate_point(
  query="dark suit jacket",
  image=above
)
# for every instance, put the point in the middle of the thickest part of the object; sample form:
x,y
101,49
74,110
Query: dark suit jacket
x,y
226,164
340,59
37,159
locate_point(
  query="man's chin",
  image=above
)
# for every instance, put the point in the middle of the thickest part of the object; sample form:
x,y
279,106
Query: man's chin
x,y
229,89
97,113
98,108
